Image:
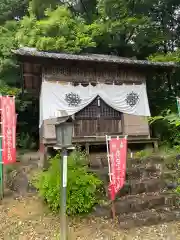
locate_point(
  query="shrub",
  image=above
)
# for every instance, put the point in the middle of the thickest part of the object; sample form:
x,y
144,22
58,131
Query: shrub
x,y
166,127
82,187
143,154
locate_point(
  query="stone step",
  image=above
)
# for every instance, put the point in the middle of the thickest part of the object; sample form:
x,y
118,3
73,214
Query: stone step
x,y
134,187
142,172
148,217
152,160
29,156
131,173
99,160
139,203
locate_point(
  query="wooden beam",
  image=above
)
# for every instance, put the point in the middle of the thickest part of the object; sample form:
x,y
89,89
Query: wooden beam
x,y
31,75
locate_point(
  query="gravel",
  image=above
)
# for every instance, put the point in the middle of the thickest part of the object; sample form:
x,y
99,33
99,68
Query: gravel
x,y
28,218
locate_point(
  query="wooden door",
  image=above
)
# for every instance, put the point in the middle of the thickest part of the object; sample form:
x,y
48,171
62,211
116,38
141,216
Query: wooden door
x,y
110,120
97,119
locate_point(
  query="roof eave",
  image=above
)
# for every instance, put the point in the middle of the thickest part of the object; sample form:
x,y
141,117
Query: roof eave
x,y
73,57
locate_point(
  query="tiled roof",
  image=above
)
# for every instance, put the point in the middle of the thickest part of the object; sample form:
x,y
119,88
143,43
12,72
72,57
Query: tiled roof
x,y
90,57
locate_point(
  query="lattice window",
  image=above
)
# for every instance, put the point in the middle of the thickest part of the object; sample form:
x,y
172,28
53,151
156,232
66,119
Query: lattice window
x,y
98,108
89,112
108,112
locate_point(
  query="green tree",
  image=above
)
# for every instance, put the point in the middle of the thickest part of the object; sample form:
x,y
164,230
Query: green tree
x,y
39,6
11,9
59,31
125,28
9,71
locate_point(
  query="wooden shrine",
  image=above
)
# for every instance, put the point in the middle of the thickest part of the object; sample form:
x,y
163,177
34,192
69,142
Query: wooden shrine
x,y
97,119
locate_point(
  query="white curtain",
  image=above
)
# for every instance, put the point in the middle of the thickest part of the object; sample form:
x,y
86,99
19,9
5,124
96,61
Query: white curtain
x,y
58,100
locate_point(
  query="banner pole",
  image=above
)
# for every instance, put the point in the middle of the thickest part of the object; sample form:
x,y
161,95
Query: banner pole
x,y
108,157
1,171
113,210
107,145
1,160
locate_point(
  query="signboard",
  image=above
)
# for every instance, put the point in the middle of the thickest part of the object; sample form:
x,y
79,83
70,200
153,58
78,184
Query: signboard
x,y
117,165
8,116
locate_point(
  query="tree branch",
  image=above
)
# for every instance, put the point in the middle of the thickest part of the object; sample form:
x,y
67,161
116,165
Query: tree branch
x,y
130,35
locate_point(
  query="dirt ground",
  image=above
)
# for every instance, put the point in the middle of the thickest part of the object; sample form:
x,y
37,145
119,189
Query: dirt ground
x,y
28,218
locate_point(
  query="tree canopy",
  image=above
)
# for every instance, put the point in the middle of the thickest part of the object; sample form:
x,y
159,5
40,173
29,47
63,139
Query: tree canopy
x,y
59,31
11,9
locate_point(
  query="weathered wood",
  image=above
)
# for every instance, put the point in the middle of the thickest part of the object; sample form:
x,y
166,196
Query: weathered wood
x,y
135,125
98,140
85,127
97,119
87,152
78,72
96,73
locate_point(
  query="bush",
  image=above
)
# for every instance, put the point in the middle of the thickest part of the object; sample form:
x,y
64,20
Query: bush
x,y
166,127
143,154
82,187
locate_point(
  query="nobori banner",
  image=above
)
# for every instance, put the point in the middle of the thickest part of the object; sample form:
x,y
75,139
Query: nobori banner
x,y
8,119
117,164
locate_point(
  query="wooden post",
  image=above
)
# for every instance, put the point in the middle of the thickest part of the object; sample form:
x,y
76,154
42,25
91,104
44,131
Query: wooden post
x,y
87,153
113,210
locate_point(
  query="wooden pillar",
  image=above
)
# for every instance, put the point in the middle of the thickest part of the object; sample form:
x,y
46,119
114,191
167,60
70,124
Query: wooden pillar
x,y
122,124
43,163
87,153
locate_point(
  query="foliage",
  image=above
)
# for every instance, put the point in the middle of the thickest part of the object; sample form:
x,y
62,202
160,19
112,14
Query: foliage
x,y
143,154
169,57
27,114
11,91
10,9
9,73
129,28
168,126
59,31
82,186
25,141
38,6
177,190
167,152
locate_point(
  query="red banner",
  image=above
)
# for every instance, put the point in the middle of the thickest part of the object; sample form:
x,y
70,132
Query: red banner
x,y
117,162
8,118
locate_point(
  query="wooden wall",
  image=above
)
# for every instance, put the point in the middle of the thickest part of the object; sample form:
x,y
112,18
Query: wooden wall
x,y
135,125
96,72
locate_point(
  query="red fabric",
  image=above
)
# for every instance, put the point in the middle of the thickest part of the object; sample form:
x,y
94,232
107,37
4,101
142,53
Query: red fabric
x,y
9,119
118,155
